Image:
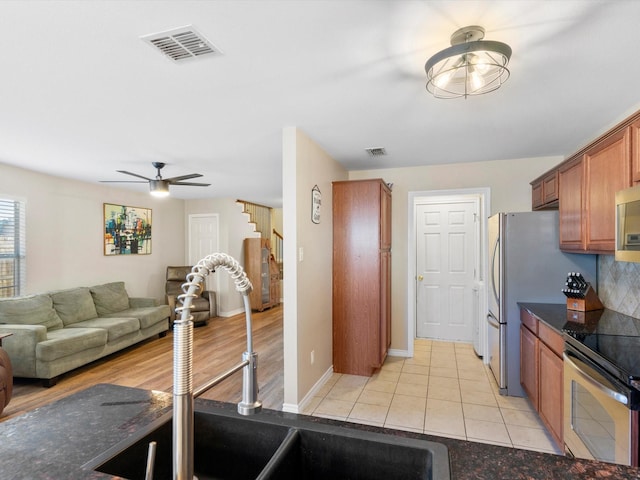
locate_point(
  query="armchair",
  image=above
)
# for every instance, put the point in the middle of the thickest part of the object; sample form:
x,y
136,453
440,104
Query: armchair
x,y
204,307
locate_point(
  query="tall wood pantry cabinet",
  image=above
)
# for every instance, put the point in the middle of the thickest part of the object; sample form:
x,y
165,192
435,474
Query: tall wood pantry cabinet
x,y
264,275
361,275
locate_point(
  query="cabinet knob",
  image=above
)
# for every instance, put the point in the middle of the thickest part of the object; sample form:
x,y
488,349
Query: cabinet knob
x,y
420,277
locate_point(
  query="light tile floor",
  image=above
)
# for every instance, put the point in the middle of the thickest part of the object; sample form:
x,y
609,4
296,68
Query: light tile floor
x,y
444,390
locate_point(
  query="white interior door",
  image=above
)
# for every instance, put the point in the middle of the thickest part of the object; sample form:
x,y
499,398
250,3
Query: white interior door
x,y
203,240
446,266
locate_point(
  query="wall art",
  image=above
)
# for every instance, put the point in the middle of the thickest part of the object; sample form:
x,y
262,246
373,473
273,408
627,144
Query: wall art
x,y
127,230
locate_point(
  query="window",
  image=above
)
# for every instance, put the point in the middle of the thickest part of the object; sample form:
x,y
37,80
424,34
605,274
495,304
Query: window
x,y
12,247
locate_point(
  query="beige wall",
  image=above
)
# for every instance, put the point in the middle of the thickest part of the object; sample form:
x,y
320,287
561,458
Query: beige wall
x,y
307,286
65,234
234,227
508,181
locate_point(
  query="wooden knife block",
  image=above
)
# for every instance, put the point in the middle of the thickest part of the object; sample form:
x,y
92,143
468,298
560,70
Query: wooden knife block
x,y
586,304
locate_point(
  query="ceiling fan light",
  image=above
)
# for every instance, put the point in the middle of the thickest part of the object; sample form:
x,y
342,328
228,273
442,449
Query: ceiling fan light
x,y
471,66
159,188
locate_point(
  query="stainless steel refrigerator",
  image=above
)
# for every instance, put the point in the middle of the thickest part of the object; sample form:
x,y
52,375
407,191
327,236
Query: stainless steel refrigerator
x,y
525,265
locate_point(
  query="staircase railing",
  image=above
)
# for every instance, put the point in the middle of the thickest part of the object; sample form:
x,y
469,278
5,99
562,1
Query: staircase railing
x,y
278,251
260,215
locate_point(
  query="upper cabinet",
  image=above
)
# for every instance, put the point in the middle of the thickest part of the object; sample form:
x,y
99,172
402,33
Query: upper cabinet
x,y
583,187
587,188
635,151
607,169
570,186
544,191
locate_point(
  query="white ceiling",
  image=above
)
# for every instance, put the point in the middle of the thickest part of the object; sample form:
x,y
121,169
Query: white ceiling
x,y
81,95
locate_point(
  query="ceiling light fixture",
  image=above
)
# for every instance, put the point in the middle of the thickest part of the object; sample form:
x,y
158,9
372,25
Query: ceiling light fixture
x,y
470,66
159,188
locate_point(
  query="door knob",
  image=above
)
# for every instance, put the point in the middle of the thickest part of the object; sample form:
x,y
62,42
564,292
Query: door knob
x,y
420,277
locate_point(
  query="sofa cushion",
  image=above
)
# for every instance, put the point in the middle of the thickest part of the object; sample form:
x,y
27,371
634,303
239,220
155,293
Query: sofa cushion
x,y
74,305
30,310
110,298
115,327
67,341
148,316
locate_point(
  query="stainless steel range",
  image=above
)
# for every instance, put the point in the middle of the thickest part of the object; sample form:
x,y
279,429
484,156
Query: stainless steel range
x,y
602,387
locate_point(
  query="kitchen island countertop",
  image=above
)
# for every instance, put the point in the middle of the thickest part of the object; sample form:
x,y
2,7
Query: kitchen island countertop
x,y
54,441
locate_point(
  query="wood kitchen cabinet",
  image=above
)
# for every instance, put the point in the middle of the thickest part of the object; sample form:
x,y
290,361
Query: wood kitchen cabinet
x,y
361,275
550,406
607,170
544,192
541,371
529,367
584,187
263,273
635,151
570,187
587,186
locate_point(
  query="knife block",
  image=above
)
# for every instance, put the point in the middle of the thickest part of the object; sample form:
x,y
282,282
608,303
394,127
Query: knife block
x,y
586,304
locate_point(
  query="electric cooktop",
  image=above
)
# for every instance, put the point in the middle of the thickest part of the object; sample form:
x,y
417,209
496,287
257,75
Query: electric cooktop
x,y
610,339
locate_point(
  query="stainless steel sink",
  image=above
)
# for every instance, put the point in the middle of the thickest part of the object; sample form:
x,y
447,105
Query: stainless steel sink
x,y
233,447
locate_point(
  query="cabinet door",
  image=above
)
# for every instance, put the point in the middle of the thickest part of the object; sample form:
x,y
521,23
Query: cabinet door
x,y
607,170
385,305
529,364
551,392
385,218
635,151
550,188
570,185
536,195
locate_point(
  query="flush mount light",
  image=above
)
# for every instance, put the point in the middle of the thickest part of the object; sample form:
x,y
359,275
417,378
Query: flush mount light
x,y
470,66
159,188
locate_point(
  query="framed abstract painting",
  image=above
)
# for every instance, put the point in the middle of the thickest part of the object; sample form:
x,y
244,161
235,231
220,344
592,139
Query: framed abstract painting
x,y
127,230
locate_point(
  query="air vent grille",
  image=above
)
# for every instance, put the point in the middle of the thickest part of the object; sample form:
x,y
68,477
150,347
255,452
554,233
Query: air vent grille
x,y
180,44
376,151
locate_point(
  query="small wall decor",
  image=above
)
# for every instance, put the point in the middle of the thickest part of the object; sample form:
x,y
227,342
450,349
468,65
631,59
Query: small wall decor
x,y
127,230
316,201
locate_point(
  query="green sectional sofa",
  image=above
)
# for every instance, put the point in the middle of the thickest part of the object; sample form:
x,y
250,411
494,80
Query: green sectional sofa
x,y
56,332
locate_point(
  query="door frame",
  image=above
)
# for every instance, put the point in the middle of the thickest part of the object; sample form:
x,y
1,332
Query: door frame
x,y
483,194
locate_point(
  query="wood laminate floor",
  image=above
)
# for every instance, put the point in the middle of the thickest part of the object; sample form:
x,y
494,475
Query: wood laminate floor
x,y
218,346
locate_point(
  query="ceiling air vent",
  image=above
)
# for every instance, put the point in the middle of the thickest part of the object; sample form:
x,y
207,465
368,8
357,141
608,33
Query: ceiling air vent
x,y
181,44
376,151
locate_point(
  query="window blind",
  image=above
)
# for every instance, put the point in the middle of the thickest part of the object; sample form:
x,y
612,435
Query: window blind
x,y
12,248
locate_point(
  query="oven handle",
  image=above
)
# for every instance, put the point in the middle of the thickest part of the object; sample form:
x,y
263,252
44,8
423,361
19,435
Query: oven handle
x,y
617,396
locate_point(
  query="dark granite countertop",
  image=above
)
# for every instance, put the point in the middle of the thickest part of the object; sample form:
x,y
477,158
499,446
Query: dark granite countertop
x,y
555,315
54,441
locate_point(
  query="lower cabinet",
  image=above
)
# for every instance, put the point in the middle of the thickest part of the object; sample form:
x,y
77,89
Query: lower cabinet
x,y
550,405
529,367
541,371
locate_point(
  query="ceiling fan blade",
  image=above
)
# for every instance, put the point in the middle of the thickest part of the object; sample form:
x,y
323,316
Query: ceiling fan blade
x,y
191,184
122,181
183,177
134,174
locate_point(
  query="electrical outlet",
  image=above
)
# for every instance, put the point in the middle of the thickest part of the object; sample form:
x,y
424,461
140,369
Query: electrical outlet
x,y
313,356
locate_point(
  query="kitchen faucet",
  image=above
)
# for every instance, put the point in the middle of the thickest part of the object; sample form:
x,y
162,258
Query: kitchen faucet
x,y
183,392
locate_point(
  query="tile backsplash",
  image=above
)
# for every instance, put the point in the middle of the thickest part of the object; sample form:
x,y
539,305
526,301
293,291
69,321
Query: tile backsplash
x,y
619,285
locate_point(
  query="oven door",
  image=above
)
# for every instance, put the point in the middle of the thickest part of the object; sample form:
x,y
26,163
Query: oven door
x,y
597,419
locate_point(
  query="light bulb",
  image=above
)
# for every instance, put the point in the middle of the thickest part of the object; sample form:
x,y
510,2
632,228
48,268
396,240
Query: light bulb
x,y
476,80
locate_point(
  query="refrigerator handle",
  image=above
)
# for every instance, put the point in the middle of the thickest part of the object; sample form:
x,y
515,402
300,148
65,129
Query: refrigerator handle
x,y
493,270
493,321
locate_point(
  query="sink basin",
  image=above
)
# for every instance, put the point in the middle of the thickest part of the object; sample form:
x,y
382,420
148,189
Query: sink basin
x,y
233,447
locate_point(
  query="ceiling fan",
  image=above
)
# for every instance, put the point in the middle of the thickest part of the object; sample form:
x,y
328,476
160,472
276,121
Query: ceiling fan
x,y
159,186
